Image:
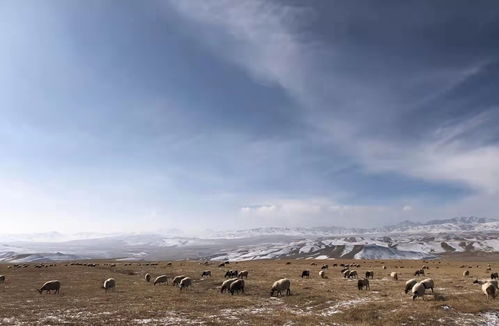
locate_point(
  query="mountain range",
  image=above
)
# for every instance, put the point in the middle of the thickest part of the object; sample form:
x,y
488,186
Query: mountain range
x,y
405,240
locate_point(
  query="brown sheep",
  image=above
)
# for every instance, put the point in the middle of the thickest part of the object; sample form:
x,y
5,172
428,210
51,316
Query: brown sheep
x,y
161,279
185,283
363,284
53,285
236,286
109,284
177,279
226,284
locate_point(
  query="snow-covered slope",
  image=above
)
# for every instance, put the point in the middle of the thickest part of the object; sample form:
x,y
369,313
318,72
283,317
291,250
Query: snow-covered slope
x,y
406,240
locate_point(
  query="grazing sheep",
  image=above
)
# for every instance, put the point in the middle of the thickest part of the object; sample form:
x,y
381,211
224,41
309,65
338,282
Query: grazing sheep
x,y
50,286
384,267
161,279
428,283
494,276
147,277
109,284
288,263
2,278
344,270
236,286
221,265
466,273
281,285
418,290
231,273
394,275
352,274
325,266
410,284
177,279
488,288
226,284
305,274
419,272
313,264
346,273
322,274
206,273
370,274
242,274
494,282
185,283
363,284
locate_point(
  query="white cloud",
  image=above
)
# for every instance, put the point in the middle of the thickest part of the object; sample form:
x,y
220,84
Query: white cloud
x,y
266,39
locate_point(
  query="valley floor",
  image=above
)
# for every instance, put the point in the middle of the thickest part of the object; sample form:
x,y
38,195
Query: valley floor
x,y
314,301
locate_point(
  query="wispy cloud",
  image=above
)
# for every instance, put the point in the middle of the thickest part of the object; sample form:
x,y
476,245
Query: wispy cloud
x,y
268,40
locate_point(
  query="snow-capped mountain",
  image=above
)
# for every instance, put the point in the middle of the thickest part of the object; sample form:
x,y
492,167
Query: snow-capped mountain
x,y
406,240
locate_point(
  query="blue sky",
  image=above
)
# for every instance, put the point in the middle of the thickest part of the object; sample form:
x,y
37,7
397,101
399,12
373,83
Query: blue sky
x,y
147,115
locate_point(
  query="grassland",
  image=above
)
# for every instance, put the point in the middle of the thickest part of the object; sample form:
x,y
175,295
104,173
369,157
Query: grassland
x,y
314,301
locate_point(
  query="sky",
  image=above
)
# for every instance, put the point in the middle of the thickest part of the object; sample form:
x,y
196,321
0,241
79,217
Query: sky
x,y
124,116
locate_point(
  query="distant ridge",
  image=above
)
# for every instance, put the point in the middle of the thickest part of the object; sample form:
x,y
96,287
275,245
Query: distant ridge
x,y
404,240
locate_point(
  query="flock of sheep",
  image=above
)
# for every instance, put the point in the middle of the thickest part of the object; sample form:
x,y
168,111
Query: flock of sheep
x,y
235,283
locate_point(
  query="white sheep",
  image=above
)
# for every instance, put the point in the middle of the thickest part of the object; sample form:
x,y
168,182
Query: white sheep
x,y
418,290
236,286
147,277
322,274
489,288
226,284
185,283
281,285
394,275
161,279
428,284
109,284
409,284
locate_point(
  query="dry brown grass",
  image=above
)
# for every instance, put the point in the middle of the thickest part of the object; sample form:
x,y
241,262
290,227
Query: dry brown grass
x,y
314,301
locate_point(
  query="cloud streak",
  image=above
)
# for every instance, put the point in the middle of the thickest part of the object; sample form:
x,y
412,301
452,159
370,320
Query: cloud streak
x,y
267,39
